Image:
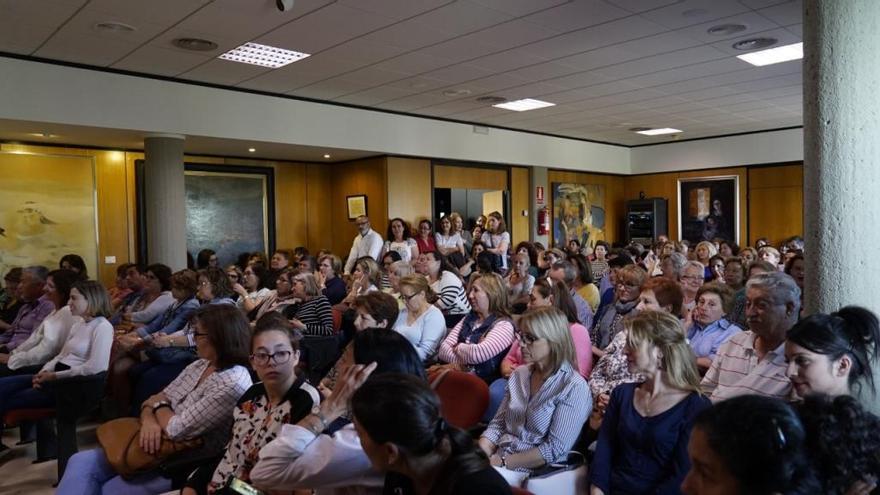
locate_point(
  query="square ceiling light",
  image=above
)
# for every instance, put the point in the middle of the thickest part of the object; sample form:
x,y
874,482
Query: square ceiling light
x,y
774,55
523,105
263,55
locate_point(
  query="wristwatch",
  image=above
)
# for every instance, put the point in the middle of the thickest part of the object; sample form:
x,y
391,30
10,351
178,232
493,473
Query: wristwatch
x,y
160,404
503,460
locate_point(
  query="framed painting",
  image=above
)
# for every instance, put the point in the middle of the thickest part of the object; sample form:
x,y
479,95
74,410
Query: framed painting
x,y
47,209
708,208
229,209
578,213
357,206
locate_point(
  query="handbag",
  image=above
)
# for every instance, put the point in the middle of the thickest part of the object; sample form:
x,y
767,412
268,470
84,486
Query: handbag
x,y
120,439
568,478
171,355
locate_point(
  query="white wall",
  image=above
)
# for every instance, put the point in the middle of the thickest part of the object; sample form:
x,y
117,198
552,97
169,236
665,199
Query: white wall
x,y
747,149
47,93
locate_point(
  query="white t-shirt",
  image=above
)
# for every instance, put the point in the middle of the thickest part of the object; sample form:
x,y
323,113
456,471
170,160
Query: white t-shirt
x,y
403,248
426,333
495,240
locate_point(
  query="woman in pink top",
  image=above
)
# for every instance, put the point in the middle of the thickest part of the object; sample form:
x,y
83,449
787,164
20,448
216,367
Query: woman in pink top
x,y
545,293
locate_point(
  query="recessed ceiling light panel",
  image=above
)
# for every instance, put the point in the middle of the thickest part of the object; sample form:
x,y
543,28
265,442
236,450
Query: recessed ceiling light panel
x,y
456,92
194,44
658,132
776,55
726,29
524,105
754,43
252,150
491,99
113,27
263,55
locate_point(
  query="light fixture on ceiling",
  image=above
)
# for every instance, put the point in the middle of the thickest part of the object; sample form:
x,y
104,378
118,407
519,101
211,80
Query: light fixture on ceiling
x,y
252,150
326,156
194,44
284,5
658,132
775,55
44,135
524,105
456,92
754,43
263,55
726,29
113,27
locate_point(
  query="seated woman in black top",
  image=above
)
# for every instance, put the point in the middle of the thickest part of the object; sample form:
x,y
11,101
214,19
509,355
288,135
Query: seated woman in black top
x,y
398,420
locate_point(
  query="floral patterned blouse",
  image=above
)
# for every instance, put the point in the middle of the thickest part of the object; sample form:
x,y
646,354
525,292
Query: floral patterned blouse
x,y
257,423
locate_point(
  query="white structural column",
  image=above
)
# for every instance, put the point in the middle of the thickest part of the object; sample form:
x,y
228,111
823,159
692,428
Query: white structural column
x,y
165,200
841,153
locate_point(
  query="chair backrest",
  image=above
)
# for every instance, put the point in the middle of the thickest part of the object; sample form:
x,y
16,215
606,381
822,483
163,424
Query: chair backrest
x,y
337,320
464,397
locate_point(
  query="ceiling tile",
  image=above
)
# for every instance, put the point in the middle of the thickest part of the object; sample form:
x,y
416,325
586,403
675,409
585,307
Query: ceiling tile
x,y
459,73
409,103
19,36
374,96
85,49
519,8
162,61
414,63
754,23
785,13
360,52
44,13
463,17
397,9
409,35
82,24
512,33
689,12
577,15
154,11
224,72
311,33
636,6
796,29
543,71
760,4
594,37
686,74
784,36
664,61
506,61
329,89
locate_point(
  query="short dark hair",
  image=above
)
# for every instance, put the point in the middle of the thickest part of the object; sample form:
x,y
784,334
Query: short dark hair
x,y
273,321
63,281
228,331
203,259
76,263
379,305
667,292
407,233
390,350
187,281
162,274
219,281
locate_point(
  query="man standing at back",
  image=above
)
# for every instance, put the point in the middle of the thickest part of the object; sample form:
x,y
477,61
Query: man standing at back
x,y
35,308
368,242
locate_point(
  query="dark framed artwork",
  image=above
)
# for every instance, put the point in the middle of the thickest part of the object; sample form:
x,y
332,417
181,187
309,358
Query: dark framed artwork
x,y
356,206
708,208
230,209
578,214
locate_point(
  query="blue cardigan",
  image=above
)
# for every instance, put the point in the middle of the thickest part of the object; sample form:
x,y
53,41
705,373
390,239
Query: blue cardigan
x,y
638,455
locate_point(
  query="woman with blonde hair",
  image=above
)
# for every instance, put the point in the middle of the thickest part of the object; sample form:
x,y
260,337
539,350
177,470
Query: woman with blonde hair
x,y
365,277
546,402
420,321
703,253
642,446
497,239
481,339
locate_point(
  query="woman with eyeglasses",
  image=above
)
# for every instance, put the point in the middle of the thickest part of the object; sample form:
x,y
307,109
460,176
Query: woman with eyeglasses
x,y
609,322
388,259
281,297
692,278
234,276
197,404
312,315
420,321
642,446
546,402
281,397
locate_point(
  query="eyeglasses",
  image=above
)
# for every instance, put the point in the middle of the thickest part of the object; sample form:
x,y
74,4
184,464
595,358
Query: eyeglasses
x,y
361,224
406,298
263,358
526,338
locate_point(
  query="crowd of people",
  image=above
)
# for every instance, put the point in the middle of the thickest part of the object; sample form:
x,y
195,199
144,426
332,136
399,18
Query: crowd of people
x,y
669,370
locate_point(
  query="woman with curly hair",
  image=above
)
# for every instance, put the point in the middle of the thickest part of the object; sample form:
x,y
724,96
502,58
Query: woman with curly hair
x,y
843,439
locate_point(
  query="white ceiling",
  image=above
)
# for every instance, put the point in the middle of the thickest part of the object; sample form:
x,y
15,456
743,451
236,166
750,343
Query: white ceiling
x,y
608,64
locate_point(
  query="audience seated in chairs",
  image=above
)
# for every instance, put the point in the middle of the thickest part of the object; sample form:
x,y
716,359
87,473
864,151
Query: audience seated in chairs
x,y
482,338
566,272
9,299
628,282
399,425
280,298
197,404
308,455
709,328
281,397
399,239
84,358
519,282
546,402
446,284
396,272
373,310
121,290
642,446
253,288
35,306
753,361
312,314
419,320
171,353
332,286
155,298
45,342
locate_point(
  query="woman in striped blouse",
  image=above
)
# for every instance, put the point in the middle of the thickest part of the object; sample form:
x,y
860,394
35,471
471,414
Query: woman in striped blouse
x,y
481,339
447,284
313,315
546,401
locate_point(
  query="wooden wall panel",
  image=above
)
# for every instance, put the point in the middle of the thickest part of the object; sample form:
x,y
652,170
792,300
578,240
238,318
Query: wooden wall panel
x,y
319,206
409,189
614,194
519,200
776,202
353,178
454,177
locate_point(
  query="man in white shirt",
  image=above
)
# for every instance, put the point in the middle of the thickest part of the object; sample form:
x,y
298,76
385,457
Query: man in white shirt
x,y
368,242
